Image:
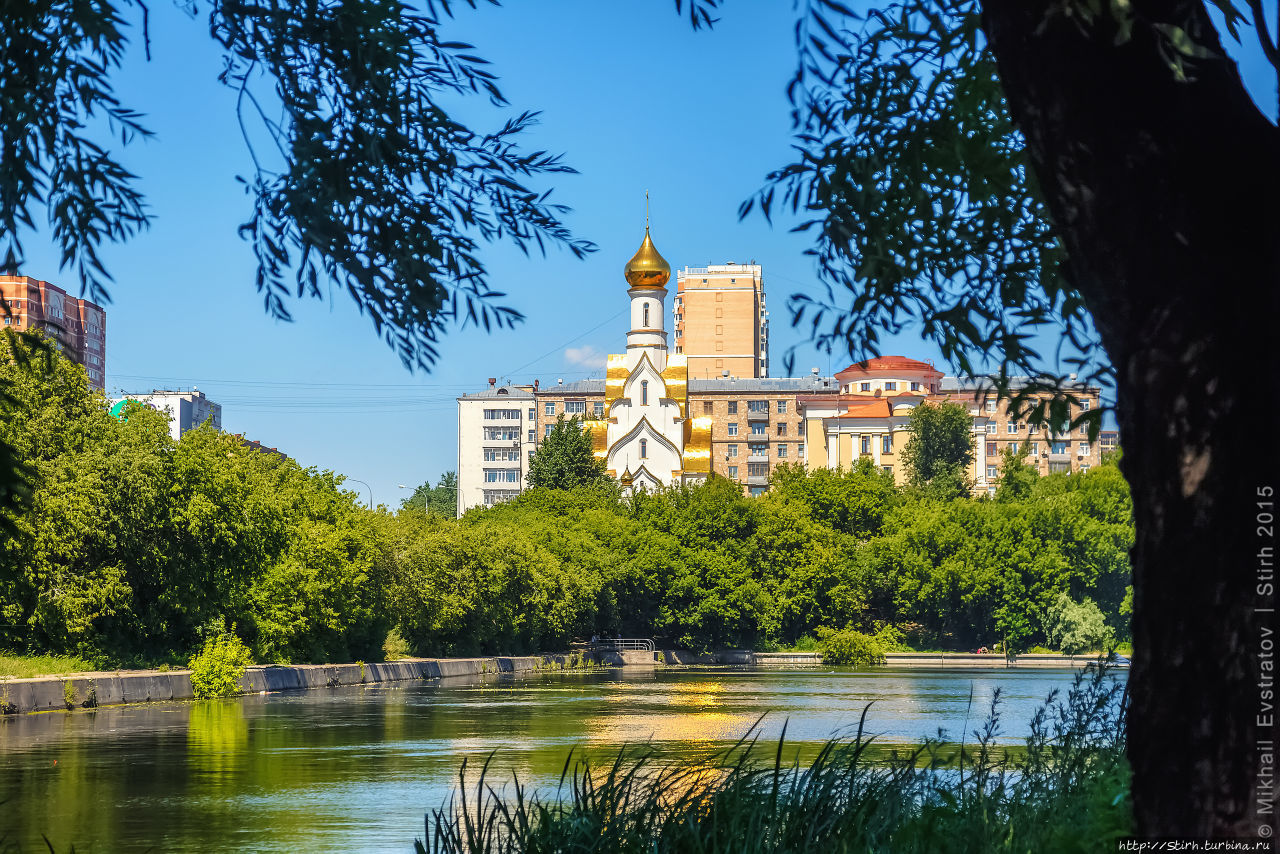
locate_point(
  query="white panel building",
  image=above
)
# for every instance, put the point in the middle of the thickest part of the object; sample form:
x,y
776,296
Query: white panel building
x,y
496,437
186,409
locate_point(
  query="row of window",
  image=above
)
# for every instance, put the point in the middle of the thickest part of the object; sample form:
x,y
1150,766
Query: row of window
x,y
501,434
993,472
761,428
762,450
886,444
502,475
501,455
1033,448
575,407
504,414
1013,428
892,385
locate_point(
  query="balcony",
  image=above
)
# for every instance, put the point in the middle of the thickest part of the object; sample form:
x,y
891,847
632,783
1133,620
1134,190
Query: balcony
x,y
758,415
757,480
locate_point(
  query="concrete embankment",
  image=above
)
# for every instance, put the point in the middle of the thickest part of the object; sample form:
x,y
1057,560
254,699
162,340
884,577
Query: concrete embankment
x,y
893,659
87,690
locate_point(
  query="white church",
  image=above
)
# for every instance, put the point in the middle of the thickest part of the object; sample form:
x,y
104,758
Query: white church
x,y
648,437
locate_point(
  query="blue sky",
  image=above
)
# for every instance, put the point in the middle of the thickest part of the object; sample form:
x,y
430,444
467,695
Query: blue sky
x,y
634,99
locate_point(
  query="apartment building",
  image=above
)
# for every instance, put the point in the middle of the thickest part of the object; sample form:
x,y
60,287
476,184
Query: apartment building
x,y
497,432
720,321
870,417
78,325
186,409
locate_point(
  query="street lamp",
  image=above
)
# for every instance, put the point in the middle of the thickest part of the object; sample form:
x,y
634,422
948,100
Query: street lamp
x,y
366,487
426,505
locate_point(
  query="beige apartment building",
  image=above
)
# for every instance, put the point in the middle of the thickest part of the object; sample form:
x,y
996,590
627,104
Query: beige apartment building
x,y
79,326
720,321
870,416
759,423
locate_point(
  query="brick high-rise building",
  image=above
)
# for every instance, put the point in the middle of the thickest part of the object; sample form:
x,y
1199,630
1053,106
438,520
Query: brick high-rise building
x,y
721,322
79,326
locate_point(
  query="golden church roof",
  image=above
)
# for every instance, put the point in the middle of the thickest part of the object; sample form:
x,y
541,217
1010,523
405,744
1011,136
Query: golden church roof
x,y
647,268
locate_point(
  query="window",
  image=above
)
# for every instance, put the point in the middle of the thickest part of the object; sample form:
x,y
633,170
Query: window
x,y
991,427
533,413
782,450
1013,447
644,449
733,428
890,386
1084,405
731,450
733,407
886,444
502,475
1033,448
1011,427
1084,467
782,407
706,407
991,449
501,434
1083,448
759,450
866,444
782,428
733,472
502,414
1056,468
757,406
887,469
760,429
644,392
757,469
719,329
915,386
575,407
991,404
800,450
646,315
1058,448
719,344
533,436
549,408
1084,430
864,387
547,431
992,471
598,406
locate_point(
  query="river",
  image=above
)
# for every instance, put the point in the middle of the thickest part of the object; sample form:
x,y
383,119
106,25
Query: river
x,y
355,769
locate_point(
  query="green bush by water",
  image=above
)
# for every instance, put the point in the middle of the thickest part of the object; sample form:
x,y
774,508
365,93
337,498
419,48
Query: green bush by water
x,y
849,648
1067,790
218,666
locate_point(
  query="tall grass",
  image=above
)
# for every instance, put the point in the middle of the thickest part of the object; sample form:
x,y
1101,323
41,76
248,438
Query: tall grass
x,y
1066,790
31,666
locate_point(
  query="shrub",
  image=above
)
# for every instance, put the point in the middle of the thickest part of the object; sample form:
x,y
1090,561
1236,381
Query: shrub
x,y
1077,627
395,646
849,648
217,667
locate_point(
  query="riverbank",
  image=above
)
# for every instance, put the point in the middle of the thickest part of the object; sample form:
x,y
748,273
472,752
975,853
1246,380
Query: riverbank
x,y
111,688
65,692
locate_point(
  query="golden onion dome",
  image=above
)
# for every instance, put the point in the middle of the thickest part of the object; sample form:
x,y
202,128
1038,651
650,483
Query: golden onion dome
x,y
647,268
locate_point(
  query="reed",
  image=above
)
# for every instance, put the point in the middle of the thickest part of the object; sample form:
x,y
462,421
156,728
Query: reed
x,y
1065,790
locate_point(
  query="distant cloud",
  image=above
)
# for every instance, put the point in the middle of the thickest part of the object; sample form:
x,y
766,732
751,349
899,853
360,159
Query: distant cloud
x,y
585,356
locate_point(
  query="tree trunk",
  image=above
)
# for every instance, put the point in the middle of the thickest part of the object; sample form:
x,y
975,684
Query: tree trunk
x,y
1166,195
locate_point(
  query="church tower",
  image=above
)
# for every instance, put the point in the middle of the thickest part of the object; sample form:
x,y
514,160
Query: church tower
x,y
651,439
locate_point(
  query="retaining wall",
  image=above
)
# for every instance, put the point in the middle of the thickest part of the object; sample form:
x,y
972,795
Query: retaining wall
x,y
87,690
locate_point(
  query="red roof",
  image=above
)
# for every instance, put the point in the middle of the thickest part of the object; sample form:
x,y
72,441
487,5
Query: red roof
x,y
887,364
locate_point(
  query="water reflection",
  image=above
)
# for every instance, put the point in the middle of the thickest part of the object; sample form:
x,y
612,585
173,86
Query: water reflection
x,y
356,768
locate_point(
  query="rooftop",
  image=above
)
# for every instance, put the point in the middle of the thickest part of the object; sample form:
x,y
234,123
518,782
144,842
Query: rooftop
x,y
505,392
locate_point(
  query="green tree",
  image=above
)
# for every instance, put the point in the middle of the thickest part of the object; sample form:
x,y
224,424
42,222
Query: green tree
x,y
565,459
1017,476
985,167
438,500
1076,627
940,449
